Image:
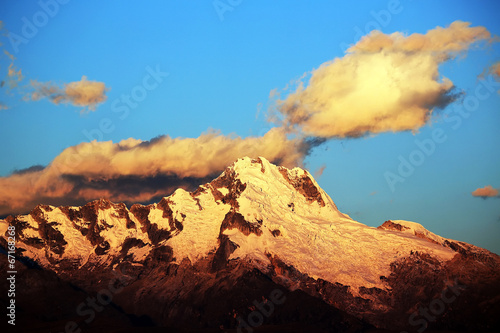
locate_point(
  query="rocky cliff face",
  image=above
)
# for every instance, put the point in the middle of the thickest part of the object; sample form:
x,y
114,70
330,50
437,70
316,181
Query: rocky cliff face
x,y
214,257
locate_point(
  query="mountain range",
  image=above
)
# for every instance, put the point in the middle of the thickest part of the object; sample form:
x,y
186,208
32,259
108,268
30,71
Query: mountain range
x,y
261,248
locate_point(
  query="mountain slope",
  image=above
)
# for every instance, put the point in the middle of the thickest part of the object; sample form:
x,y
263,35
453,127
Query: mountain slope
x,y
275,224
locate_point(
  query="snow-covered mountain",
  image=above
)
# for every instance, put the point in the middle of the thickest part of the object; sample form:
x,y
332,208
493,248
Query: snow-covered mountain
x,y
269,221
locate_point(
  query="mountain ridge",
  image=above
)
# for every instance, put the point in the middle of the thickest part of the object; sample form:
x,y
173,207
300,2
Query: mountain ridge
x,y
254,217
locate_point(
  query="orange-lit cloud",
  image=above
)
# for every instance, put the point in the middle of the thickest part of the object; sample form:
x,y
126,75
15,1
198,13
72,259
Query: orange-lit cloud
x,y
446,42
384,83
319,172
79,93
134,170
185,157
495,69
14,75
485,192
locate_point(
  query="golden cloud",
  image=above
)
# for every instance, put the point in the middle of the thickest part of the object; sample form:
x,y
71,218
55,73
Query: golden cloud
x,y
495,69
134,170
384,83
79,93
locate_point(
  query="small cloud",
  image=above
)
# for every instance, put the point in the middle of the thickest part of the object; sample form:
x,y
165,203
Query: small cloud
x,y
14,76
319,172
485,192
495,69
11,56
79,93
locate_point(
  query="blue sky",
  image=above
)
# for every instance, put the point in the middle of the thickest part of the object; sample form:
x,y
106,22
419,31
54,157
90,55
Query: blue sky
x,y
221,69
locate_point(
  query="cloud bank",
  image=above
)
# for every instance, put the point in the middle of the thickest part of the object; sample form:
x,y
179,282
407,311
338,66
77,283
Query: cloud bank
x,y
485,192
139,171
79,93
385,83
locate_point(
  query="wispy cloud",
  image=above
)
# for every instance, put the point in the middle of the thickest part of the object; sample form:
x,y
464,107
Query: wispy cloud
x,y
79,93
319,172
485,192
495,69
14,75
384,83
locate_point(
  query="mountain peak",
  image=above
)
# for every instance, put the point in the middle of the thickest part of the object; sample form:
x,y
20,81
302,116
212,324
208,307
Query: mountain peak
x,y
301,180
